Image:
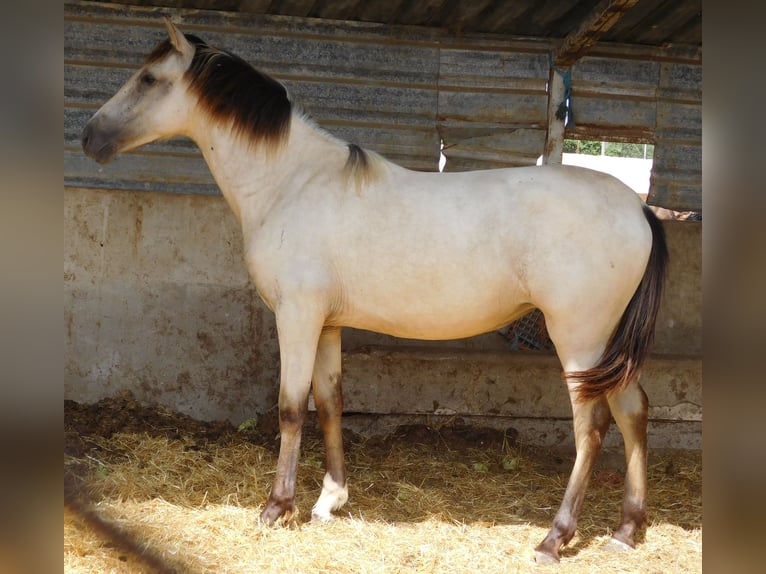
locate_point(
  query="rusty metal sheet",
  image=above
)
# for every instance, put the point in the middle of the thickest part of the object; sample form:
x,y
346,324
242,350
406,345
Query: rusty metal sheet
x,y
676,181
398,90
501,149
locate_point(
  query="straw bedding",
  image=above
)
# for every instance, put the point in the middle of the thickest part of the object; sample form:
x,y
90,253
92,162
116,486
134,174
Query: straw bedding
x,y
148,490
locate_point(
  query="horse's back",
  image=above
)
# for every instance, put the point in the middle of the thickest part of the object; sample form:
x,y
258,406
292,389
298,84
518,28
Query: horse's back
x,y
451,255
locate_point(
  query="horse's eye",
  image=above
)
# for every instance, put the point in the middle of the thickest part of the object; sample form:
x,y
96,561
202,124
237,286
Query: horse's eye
x,y
147,79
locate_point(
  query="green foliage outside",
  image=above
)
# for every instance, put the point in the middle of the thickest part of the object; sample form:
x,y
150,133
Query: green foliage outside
x,y
613,149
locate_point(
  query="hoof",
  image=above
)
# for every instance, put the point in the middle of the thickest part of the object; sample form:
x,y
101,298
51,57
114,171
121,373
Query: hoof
x,y
615,545
545,558
320,518
334,495
274,515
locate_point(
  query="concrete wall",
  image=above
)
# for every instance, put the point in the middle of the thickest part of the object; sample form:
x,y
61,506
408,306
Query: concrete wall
x,y
157,301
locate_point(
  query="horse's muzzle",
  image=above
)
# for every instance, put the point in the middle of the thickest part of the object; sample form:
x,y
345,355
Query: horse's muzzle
x,y
97,144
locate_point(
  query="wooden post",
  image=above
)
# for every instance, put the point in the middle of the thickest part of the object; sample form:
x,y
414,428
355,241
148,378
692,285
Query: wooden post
x,y
600,20
554,140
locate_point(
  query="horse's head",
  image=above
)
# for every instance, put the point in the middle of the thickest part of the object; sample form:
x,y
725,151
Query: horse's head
x,y
153,104
183,84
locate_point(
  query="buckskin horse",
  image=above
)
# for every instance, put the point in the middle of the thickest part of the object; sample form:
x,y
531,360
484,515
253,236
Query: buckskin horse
x,y
336,235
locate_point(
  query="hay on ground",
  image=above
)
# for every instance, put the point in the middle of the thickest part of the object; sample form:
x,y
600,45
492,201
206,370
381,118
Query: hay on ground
x,y
179,495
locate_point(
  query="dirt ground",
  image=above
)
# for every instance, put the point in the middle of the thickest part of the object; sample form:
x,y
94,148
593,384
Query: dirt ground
x,y
149,490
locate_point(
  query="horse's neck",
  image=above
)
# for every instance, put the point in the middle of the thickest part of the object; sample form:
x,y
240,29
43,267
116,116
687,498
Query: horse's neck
x,y
252,178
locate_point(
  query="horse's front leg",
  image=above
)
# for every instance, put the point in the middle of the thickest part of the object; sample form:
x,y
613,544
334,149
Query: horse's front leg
x,y
298,330
329,402
591,421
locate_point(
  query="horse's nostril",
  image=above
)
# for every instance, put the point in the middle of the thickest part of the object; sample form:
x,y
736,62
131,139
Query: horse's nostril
x,y
85,137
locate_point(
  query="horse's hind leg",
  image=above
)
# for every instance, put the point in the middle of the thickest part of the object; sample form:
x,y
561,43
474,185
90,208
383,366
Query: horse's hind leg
x,y
591,421
629,407
329,402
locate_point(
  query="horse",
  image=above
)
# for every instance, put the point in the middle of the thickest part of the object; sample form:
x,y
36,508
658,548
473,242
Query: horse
x,y
337,236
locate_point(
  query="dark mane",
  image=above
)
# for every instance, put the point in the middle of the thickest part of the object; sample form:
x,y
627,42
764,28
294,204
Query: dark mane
x,y
231,90
357,158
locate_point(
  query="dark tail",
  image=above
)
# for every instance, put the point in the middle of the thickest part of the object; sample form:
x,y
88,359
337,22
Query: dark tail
x,y
629,345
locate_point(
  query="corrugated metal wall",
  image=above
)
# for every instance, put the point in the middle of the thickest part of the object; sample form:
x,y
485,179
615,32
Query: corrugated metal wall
x,y
658,100
397,90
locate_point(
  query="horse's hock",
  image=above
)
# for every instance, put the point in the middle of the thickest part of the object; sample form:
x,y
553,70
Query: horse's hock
x,y
159,303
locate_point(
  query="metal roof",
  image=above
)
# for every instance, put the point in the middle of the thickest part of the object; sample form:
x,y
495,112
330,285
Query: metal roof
x,y
659,23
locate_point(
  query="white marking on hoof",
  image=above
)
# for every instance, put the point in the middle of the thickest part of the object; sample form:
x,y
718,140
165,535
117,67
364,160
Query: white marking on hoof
x,y
615,545
333,496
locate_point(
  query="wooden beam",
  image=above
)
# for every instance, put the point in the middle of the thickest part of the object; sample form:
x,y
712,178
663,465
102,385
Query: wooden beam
x,y
554,137
605,15
600,20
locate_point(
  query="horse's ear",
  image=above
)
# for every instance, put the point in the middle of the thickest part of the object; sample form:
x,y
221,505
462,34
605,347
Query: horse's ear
x,y
178,40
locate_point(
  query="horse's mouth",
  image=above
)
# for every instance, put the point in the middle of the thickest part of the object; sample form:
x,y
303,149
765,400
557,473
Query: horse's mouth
x,y
102,155
105,154
98,143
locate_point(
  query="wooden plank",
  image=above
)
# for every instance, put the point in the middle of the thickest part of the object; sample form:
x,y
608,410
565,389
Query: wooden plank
x,y
605,15
416,12
300,8
335,9
254,6
627,29
379,11
659,27
466,17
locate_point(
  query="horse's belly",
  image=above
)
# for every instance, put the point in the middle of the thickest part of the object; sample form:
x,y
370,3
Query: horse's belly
x,y
434,316
440,330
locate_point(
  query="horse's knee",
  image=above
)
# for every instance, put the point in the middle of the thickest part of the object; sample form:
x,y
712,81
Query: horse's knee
x,y
291,417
